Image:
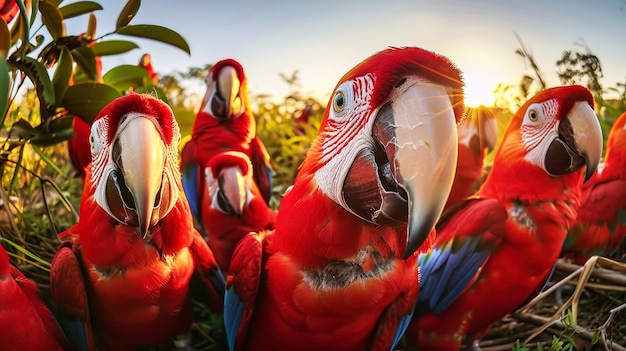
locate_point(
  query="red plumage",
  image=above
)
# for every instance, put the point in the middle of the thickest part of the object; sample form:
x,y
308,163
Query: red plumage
x,y
226,168
534,185
25,321
130,287
329,276
601,222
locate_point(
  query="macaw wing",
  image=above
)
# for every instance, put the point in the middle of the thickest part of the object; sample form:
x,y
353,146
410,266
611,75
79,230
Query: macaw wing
x,y
69,295
262,168
604,202
207,282
190,172
242,286
465,239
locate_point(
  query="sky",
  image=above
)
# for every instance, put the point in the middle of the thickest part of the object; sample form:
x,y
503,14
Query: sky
x,y
323,39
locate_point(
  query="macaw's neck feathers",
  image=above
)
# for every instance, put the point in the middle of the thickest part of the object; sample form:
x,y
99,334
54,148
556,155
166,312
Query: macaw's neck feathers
x,y
616,147
144,104
391,68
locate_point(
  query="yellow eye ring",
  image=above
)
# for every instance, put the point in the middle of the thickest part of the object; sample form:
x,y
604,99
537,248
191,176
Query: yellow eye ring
x,y
339,101
533,115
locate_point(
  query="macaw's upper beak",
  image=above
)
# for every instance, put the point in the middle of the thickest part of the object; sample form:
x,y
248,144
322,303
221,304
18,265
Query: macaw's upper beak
x,y
226,103
479,130
134,192
232,192
405,179
579,143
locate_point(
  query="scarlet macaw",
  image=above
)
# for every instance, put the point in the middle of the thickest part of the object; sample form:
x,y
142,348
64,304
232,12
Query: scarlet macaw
x,y
478,134
124,269
601,222
225,166
339,271
78,147
25,321
146,62
514,225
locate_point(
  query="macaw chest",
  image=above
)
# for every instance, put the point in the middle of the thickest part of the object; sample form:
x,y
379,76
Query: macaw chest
x,y
143,292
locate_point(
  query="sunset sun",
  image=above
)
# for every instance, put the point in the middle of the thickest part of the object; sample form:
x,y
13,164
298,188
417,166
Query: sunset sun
x,y
479,89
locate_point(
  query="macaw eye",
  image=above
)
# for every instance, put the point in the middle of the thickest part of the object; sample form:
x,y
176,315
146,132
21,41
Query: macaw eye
x,y
534,114
339,101
96,139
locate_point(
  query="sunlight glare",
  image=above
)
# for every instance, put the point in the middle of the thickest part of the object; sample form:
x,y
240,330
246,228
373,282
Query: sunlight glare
x,y
479,89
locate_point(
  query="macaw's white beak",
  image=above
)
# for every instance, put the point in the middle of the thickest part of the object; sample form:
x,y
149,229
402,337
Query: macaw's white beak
x,y
135,191
407,177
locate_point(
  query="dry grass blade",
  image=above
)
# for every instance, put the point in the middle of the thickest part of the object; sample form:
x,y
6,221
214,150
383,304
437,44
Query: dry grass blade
x,y
597,267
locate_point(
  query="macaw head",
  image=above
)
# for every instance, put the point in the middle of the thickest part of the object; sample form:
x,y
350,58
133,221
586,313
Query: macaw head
x,y
478,130
227,91
227,176
146,62
134,168
559,131
387,146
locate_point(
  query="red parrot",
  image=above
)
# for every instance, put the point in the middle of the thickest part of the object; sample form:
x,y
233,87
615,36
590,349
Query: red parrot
x,y
78,147
25,321
225,166
514,225
478,134
8,10
339,271
125,268
601,223
146,62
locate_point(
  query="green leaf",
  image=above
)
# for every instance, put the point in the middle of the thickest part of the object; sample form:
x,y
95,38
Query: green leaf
x,y
59,130
21,249
88,99
158,33
23,130
47,160
35,9
86,60
38,75
4,87
79,8
128,13
62,75
52,18
113,47
5,38
126,76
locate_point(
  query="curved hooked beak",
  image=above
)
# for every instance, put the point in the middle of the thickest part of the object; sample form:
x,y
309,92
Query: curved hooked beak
x,y
405,179
141,164
227,103
579,143
479,130
232,193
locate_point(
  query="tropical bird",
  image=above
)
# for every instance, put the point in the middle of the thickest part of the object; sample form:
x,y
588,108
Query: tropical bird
x,y
478,134
26,323
226,167
601,222
125,268
513,227
339,271
145,61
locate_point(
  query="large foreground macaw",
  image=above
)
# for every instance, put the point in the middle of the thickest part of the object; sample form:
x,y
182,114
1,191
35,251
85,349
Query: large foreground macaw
x,y
478,134
225,166
339,271
601,223
515,223
26,323
125,268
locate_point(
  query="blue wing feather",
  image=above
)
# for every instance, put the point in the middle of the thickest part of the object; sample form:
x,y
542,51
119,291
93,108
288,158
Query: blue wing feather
x,y
233,314
190,186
